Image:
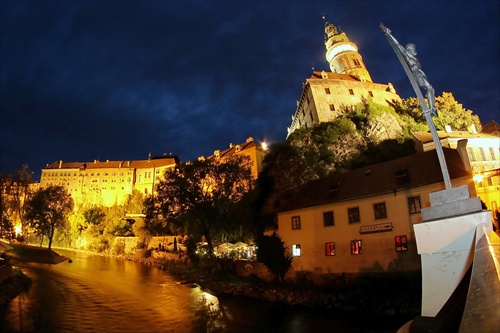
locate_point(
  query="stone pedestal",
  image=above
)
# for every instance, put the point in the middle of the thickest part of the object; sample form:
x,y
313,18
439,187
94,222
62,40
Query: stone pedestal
x,y
445,241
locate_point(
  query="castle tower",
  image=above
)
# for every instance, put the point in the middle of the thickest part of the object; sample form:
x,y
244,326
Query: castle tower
x,y
327,95
342,55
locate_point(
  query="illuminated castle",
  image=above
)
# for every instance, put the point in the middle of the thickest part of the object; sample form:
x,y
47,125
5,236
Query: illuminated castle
x,y
106,183
325,95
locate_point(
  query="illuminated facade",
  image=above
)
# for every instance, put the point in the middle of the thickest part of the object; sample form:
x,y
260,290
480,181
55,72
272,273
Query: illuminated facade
x,y
254,151
106,183
482,155
326,95
362,221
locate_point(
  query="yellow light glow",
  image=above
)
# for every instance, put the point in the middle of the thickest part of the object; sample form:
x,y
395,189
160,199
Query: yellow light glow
x,y
18,229
478,178
264,145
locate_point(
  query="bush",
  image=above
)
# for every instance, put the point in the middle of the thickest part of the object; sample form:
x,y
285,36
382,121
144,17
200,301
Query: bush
x,y
272,253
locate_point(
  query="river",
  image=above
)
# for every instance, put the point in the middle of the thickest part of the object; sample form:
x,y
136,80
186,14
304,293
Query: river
x,y
103,294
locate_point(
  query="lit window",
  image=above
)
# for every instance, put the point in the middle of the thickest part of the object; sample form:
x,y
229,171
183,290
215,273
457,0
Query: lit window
x,y
295,222
329,249
327,91
296,250
401,243
356,247
379,210
414,205
328,219
353,214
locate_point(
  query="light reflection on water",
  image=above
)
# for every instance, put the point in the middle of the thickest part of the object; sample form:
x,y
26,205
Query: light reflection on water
x,y
102,294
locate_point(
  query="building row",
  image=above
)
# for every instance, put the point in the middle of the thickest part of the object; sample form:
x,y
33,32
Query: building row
x,y
105,183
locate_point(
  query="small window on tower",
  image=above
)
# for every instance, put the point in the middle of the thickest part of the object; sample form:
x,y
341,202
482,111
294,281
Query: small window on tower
x,y
327,91
351,91
332,107
370,93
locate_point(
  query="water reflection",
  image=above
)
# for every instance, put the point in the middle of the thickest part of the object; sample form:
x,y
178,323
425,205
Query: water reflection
x,y
101,294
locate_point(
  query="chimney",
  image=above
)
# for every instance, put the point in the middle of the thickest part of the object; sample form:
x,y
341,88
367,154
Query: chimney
x,y
250,139
472,129
231,145
149,157
60,164
217,153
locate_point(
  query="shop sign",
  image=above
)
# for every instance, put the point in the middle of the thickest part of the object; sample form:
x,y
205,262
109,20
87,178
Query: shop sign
x,y
374,228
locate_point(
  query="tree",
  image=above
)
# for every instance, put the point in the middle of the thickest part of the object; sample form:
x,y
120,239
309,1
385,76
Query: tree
x,y
47,210
450,112
273,253
198,197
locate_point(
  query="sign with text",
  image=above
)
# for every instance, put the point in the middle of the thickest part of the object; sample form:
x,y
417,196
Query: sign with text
x,y
374,228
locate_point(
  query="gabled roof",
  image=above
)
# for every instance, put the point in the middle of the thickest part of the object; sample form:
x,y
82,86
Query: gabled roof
x,y
404,173
492,128
233,149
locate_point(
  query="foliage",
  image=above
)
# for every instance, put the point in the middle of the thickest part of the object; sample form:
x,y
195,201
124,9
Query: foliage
x,y
273,253
47,210
450,112
199,197
13,193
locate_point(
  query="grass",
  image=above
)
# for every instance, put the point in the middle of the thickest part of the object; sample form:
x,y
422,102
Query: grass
x,y
35,254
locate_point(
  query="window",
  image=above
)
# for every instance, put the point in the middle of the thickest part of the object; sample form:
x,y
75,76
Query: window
x,y
401,243
353,214
357,63
472,156
379,210
295,222
356,246
328,219
332,107
329,249
483,154
327,91
492,153
370,93
296,250
414,205
351,91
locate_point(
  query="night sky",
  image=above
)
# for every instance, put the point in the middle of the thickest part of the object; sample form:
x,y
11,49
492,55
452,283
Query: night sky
x,y
116,80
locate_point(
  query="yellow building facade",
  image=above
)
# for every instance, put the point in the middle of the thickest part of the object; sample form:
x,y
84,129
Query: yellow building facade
x,y
482,156
362,221
106,183
325,95
256,152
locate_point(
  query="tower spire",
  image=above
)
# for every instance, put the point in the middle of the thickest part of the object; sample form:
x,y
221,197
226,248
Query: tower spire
x,y
342,54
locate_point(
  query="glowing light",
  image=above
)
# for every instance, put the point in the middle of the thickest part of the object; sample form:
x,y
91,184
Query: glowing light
x,y
264,145
18,229
478,178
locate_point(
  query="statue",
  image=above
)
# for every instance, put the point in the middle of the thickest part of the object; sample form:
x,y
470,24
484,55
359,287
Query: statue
x,y
409,54
408,58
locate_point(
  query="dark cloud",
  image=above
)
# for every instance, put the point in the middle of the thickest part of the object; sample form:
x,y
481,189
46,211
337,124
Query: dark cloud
x,y
117,80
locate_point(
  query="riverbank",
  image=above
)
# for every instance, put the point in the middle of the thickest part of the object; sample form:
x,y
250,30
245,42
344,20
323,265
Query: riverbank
x,y
382,296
